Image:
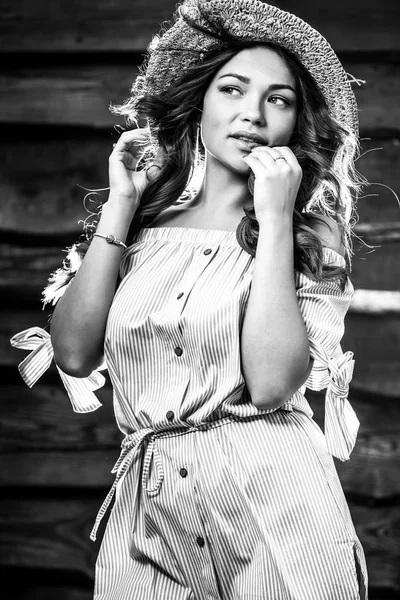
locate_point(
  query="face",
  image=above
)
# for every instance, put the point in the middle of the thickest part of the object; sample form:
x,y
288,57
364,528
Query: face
x,y
251,101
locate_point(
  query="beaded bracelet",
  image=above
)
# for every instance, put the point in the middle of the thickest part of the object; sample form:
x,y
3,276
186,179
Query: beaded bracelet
x,y
111,239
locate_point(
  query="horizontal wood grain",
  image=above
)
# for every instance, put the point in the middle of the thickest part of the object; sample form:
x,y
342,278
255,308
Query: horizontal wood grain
x,y
126,26
82,96
49,534
24,589
54,534
89,469
373,468
41,419
375,341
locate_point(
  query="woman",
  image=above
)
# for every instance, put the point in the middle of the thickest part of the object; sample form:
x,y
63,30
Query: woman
x,y
234,211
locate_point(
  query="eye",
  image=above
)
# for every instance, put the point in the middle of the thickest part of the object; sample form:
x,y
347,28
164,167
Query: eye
x,y
279,101
230,90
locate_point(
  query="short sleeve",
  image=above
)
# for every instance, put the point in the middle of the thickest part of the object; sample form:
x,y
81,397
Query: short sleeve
x,y
324,305
79,390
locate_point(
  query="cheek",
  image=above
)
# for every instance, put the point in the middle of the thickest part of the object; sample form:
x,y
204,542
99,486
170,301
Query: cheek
x,y
210,126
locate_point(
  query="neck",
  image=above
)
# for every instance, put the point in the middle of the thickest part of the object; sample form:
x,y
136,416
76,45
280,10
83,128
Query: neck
x,y
222,192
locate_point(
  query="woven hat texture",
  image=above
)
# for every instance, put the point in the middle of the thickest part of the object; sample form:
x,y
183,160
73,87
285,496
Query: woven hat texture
x,y
182,45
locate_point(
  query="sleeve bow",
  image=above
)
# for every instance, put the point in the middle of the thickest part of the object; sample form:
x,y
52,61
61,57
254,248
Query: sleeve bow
x,y
79,390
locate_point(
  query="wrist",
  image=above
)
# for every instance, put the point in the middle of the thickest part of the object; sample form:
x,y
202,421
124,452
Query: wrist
x,y
276,226
115,219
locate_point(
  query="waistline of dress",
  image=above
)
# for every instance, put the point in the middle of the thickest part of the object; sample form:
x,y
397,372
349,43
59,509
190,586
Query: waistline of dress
x,y
132,444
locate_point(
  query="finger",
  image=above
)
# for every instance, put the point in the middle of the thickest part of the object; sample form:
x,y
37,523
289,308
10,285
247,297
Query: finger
x,y
129,139
156,165
288,155
255,164
265,156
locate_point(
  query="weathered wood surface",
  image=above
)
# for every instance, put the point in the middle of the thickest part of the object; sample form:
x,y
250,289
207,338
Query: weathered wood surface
x,y
41,419
81,94
375,341
42,181
122,25
54,534
49,534
374,466
24,589
89,469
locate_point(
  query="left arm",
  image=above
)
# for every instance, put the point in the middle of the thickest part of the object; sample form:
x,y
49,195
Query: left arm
x,y
274,341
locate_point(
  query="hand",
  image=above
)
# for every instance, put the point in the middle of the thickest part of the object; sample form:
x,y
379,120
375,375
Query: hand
x,y
276,182
126,183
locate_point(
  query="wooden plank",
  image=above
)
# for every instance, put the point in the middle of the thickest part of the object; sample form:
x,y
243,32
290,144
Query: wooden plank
x,y
81,96
49,534
373,468
376,267
24,589
53,534
378,233
88,470
122,25
378,531
380,164
41,419
47,592
375,341
25,271
45,194
375,302
13,322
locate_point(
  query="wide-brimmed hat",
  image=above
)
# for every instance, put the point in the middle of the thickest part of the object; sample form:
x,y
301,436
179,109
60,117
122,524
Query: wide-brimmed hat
x,y
201,26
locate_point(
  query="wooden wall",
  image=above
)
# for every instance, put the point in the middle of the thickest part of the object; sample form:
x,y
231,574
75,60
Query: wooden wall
x,y
63,63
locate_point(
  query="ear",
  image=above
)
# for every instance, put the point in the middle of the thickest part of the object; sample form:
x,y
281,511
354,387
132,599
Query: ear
x,y
328,231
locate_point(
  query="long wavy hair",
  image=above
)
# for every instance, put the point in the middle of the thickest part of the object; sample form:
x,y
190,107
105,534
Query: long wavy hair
x,y
324,148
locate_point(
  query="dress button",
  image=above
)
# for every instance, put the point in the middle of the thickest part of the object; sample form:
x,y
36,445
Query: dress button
x,y
170,415
178,351
208,251
183,472
200,541
179,296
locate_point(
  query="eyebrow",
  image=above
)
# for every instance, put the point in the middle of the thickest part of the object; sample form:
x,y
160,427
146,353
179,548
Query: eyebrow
x,y
274,86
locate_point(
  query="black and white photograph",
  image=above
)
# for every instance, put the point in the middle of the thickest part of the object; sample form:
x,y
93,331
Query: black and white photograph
x,y
200,284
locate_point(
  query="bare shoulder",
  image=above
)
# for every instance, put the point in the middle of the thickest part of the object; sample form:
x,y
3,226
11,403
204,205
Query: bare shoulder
x,y
328,231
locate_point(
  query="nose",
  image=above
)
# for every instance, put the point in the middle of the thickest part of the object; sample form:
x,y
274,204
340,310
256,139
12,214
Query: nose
x,y
253,112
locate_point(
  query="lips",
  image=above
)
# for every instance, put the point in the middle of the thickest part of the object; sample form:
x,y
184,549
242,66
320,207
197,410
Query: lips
x,y
250,136
248,140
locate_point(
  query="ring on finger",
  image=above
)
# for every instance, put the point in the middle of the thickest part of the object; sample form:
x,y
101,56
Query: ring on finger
x,y
278,157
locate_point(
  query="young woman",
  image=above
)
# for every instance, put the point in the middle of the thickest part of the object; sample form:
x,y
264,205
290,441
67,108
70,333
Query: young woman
x,y
218,300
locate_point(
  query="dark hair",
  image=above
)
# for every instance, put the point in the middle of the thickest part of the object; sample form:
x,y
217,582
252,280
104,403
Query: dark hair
x,y
318,142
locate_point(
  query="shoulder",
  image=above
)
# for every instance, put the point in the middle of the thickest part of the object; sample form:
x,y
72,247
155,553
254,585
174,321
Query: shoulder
x,y
328,231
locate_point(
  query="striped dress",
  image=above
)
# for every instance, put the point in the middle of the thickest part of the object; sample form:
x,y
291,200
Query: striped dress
x,y
215,499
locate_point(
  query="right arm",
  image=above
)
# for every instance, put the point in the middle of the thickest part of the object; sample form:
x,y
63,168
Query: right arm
x,y
79,319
